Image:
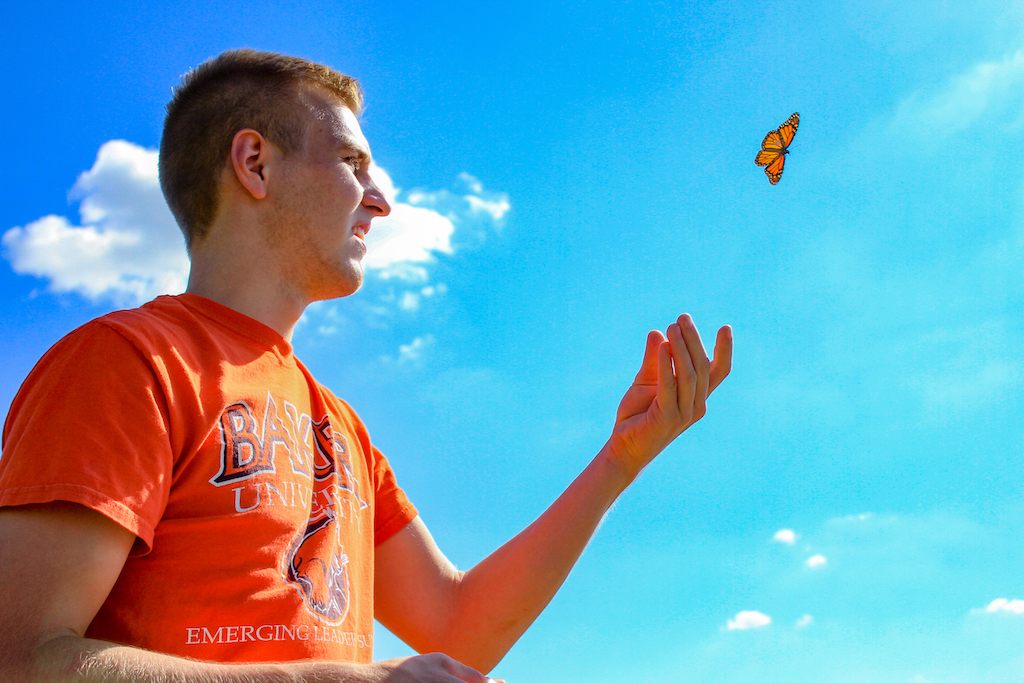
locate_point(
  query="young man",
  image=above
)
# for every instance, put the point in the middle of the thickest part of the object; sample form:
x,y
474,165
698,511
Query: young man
x,y
181,500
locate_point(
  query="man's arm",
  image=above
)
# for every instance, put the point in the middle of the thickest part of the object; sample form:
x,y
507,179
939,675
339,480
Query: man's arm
x,y
476,616
59,561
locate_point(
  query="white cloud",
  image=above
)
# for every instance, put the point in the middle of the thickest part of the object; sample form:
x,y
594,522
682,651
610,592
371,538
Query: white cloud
x,y
497,209
817,561
409,234
1004,605
410,301
787,536
128,247
472,182
988,89
804,621
423,223
413,351
472,208
747,620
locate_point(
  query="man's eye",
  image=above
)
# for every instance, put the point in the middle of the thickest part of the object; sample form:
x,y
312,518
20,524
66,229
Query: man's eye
x,y
356,164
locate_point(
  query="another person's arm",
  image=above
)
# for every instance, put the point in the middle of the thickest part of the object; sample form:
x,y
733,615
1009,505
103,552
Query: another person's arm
x,y
58,562
476,616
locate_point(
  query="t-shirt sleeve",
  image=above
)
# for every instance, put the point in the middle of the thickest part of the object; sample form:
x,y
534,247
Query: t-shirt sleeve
x,y
393,509
89,426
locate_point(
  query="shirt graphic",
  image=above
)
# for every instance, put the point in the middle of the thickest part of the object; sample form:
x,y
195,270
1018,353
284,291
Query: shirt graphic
x,y
315,563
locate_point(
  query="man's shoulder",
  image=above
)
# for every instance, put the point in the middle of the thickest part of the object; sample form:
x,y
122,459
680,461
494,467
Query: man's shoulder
x,y
163,311
153,328
104,351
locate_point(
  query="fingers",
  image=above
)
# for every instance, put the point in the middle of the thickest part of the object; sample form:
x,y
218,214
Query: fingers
x,y
440,667
469,674
648,373
722,363
680,367
699,361
667,396
696,375
686,373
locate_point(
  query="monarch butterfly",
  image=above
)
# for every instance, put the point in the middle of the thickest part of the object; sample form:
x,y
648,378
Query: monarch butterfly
x,y
775,147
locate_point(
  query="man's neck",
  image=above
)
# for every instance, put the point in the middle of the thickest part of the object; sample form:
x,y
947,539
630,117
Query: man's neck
x,y
264,299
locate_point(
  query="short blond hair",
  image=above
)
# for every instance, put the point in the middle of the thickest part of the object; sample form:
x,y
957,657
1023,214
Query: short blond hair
x,y
237,89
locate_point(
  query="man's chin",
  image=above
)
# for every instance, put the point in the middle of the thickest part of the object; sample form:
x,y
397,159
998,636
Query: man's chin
x,y
338,289
347,288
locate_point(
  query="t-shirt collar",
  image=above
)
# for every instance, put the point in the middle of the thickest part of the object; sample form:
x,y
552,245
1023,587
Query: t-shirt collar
x,y
238,322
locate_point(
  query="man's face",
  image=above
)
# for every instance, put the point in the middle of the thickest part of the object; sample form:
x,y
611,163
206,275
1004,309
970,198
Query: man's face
x,y
324,200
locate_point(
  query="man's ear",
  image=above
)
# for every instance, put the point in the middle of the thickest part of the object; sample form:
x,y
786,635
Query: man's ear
x,y
250,159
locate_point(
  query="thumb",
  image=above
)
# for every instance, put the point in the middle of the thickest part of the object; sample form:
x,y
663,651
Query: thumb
x,y
648,373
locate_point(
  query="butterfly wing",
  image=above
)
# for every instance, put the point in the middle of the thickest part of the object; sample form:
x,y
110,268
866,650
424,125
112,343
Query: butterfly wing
x,y
774,169
772,156
772,142
766,156
787,131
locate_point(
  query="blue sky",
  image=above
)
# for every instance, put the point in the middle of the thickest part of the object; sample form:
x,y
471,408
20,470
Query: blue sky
x,y
567,177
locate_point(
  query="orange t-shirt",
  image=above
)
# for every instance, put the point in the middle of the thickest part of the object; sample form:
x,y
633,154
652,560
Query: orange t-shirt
x,y
255,493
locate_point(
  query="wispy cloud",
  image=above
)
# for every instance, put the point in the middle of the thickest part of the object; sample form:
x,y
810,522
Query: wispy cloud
x,y
968,366
414,351
903,555
804,621
127,247
748,619
991,90
474,210
495,204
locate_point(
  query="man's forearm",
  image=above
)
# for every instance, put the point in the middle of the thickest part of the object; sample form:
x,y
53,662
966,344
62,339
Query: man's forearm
x,y
70,659
500,597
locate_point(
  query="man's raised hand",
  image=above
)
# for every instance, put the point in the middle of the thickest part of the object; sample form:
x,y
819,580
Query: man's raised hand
x,y
669,393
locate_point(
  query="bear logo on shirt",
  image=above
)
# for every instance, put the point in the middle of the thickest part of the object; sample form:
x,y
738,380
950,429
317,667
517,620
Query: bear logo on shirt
x,y
316,564
317,567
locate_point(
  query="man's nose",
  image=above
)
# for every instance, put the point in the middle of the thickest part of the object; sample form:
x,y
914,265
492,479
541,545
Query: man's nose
x,y
375,200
